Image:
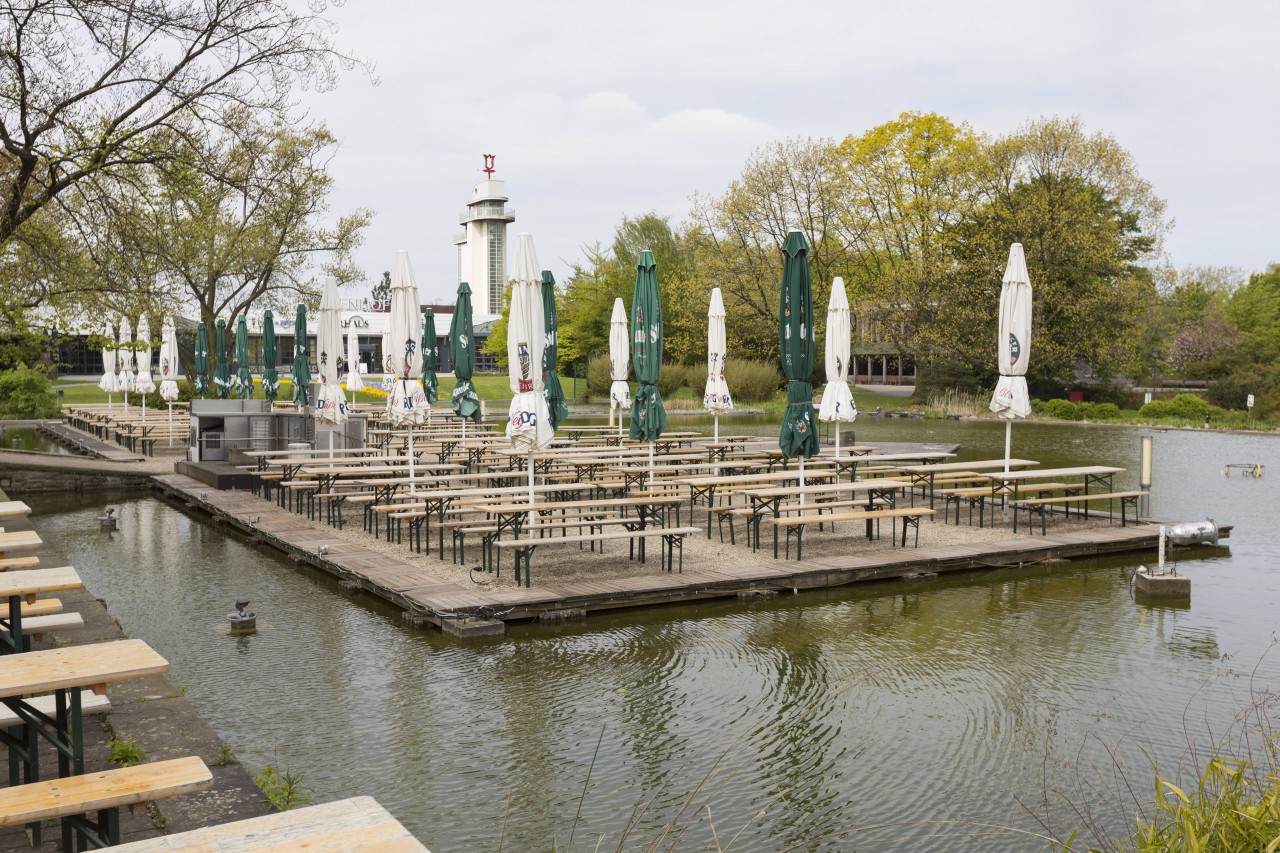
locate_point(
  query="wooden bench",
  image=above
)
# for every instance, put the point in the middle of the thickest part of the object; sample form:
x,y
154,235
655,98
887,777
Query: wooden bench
x,y
1044,505
672,539
90,703
795,524
460,529
978,496
37,626
72,798
356,825
41,607
18,563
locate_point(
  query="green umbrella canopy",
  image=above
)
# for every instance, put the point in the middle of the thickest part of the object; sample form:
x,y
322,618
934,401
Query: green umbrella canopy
x,y
430,361
301,369
202,360
556,407
244,376
462,348
648,415
270,377
221,372
795,340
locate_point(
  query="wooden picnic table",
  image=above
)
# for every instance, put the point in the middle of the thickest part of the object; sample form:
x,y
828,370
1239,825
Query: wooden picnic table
x,y
19,540
23,587
770,499
64,672
705,487
262,457
11,509
355,825
1007,483
508,516
920,473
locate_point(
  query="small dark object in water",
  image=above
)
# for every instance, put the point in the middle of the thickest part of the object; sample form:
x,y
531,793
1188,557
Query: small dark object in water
x,y
108,521
242,621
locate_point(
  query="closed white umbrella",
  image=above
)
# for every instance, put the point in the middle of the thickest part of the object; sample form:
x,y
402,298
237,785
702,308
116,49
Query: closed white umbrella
x,y
716,397
1011,399
144,383
619,362
837,402
124,360
406,402
354,382
529,422
108,381
331,406
169,368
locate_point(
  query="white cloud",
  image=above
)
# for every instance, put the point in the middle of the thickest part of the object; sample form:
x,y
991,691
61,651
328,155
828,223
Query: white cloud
x,y
601,110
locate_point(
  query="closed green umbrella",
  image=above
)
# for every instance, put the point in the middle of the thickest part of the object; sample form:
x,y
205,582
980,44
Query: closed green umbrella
x,y
462,348
556,408
221,371
244,376
202,360
648,416
795,340
430,358
270,376
301,369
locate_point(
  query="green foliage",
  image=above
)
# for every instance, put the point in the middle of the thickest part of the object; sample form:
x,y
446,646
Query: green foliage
x,y
1060,410
125,753
1184,406
672,378
226,755
752,381
936,376
598,377
284,791
1231,810
27,393
496,344
1098,411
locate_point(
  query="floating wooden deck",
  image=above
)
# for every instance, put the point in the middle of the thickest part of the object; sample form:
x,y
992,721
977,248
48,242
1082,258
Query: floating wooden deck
x,y
87,444
470,612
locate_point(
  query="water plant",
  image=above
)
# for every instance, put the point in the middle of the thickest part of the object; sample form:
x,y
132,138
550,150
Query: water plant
x,y
284,791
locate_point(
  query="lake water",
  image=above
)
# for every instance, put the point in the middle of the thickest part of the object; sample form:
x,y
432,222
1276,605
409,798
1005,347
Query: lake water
x,y
28,438
940,715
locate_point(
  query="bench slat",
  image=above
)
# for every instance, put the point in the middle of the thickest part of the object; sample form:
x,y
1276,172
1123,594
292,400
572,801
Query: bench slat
x,y
1102,496
124,786
90,703
616,534
865,515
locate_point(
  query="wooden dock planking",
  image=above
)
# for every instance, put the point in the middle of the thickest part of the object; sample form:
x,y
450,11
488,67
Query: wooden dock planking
x,y
410,586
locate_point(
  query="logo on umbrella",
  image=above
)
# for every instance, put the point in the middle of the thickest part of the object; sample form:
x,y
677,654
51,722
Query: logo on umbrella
x,y
786,305
522,355
1015,349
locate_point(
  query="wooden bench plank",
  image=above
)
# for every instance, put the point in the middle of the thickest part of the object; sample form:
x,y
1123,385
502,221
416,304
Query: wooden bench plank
x,y
107,789
10,563
90,703
355,825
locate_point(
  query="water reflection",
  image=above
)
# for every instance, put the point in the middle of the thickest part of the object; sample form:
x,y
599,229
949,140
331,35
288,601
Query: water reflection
x,y
943,698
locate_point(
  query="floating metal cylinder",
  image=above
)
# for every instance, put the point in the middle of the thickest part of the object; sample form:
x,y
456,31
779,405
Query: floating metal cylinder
x,y
1194,533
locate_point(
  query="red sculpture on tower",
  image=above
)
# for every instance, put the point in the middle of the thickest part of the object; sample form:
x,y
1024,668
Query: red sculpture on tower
x,y
488,164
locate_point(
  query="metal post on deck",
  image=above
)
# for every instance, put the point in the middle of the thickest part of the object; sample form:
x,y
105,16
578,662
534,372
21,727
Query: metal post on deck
x,y
1144,470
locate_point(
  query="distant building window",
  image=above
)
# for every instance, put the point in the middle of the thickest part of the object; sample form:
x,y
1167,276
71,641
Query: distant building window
x,y
497,265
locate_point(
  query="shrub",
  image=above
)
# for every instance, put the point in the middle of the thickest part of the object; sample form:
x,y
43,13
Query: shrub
x,y
27,393
751,381
1098,411
1061,410
938,375
598,379
671,379
1189,406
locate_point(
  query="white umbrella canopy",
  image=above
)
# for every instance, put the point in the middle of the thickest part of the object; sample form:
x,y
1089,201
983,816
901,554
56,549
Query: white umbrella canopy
x,y
354,381
108,381
144,384
1011,399
619,359
331,406
388,375
716,397
169,361
529,422
406,401
124,380
837,401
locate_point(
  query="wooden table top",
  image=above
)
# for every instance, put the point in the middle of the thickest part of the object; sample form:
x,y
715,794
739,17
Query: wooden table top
x,y
8,509
78,666
34,581
1079,471
942,467
525,506
763,477
828,488
20,539
356,825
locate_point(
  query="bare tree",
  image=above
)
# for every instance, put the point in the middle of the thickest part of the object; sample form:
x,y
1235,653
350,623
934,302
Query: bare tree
x,y
91,84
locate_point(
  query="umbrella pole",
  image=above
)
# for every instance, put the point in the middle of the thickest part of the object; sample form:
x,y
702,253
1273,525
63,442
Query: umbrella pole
x,y
171,424
531,494
651,464
716,436
1008,438
413,487
837,451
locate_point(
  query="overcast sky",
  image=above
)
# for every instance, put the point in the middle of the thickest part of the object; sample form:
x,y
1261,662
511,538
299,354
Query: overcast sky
x,y
599,110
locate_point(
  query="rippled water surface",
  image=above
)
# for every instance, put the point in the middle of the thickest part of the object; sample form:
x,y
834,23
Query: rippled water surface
x,y
898,716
